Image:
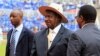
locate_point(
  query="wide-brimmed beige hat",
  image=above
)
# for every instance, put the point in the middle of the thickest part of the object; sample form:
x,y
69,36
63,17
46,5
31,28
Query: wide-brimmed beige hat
x,y
53,7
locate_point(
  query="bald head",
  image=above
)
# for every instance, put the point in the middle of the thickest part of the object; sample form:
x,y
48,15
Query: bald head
x,y
17,11
16,17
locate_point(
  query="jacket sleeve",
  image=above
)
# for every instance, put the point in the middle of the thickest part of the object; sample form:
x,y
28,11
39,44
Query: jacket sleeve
x,y
33,50
31,36
74,46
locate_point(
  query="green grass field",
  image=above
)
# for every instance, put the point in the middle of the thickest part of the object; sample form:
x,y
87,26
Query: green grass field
x,y
2,48
3,45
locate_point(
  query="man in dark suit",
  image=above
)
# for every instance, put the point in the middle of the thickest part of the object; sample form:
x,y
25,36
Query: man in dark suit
x,y
19,39
51,41
87,42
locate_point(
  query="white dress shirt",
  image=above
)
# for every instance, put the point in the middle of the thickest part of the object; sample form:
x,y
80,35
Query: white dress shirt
x,y
53,34
17,35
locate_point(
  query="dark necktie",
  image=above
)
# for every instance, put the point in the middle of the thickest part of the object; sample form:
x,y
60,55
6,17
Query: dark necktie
x,y
12,43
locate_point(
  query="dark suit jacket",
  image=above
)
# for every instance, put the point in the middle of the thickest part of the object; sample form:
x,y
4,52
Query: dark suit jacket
x,y
58,47
24,43
87,42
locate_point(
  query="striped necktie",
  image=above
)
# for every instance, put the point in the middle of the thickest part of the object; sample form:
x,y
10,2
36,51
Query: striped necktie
x,y
12,43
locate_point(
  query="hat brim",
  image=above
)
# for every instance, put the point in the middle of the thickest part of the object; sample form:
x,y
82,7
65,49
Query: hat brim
x,y
43,9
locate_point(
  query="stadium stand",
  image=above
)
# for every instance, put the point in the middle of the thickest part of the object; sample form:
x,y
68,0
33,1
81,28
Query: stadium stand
x,y
34,20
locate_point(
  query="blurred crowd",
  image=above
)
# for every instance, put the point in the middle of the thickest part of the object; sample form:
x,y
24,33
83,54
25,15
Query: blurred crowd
x,y
32,18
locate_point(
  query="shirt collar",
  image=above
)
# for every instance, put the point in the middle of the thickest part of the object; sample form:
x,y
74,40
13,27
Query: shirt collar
x,y
19,28
56,29
87,24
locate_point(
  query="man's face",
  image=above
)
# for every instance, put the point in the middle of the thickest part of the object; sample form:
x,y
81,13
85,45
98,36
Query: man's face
x,y
51,20
15,18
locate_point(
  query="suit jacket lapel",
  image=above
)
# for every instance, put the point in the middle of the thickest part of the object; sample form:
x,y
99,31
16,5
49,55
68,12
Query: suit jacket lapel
x,y
57,38
9,35
43,40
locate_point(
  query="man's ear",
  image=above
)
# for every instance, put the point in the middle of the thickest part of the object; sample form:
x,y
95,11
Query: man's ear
x,y
82,19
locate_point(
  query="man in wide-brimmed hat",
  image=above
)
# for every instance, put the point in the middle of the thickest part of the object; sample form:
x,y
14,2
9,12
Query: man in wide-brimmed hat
x,y
51,41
